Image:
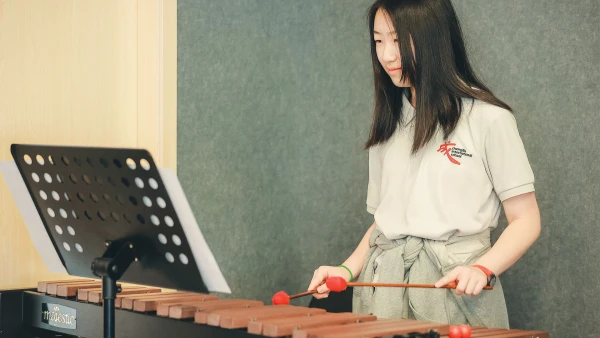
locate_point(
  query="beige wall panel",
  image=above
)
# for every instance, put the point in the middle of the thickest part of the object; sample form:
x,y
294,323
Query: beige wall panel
x,y
68,72
157,80
69,75
169,71
148,78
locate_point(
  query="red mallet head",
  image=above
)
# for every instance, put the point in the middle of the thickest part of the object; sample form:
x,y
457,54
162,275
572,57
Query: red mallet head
x,y
454,332
336,284
465,331
280,298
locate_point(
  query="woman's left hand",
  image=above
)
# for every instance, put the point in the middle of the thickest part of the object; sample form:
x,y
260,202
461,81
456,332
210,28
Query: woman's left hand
x,y
469,280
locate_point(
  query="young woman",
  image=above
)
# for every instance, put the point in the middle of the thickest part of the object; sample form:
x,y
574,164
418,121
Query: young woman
x,y
445,156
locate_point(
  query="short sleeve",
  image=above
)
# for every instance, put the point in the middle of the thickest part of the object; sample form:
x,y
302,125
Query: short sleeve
x,y
374,186
506,160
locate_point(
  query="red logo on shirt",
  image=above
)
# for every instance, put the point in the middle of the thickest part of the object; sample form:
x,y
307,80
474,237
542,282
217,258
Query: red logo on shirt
x,y
446,149
449,149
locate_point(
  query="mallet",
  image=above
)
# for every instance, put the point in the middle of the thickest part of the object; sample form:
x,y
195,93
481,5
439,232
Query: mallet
x,y
339,284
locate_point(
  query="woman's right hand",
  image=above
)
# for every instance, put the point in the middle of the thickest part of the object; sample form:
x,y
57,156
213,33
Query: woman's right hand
x,y
321,275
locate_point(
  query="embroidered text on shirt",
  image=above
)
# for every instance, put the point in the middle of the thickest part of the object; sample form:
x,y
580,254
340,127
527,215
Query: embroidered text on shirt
x,y
451,151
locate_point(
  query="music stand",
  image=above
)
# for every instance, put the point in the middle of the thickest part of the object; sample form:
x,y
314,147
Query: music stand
x,y
108,209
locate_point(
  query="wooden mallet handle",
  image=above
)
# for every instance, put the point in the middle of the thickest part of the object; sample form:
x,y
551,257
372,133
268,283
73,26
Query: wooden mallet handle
x,y
400,285
301,294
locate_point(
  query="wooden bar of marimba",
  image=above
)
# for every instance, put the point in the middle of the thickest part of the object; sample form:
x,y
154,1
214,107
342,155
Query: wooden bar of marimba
x,y
95,295
186,310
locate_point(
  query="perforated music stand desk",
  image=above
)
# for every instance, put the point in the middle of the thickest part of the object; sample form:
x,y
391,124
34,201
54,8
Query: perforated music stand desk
x,y
109,215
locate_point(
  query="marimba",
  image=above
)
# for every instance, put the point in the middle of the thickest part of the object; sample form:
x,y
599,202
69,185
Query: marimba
x,y
74,307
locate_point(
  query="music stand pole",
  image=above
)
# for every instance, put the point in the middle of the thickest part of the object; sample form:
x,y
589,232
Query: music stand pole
x,y
110,267
109,293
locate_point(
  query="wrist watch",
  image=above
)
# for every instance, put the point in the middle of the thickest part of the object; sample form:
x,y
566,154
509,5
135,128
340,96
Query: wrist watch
x,y
490,275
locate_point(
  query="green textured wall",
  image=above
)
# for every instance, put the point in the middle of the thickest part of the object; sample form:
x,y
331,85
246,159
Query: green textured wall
x,y
274,103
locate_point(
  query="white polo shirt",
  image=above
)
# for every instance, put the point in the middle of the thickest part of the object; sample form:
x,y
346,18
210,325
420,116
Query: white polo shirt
x,y
448,188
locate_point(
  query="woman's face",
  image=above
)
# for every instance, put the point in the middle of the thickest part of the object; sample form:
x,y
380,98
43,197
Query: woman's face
x,y
386,45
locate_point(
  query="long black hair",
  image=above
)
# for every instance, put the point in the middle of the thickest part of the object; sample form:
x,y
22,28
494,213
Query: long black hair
x,y
439,71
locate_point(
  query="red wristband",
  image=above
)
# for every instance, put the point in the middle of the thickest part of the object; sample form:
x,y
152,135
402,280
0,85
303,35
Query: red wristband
x,y
485,270
491,277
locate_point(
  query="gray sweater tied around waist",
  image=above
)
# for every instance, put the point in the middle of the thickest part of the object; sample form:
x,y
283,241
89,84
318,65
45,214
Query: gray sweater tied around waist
x,y
417,260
